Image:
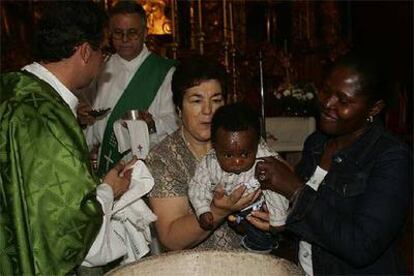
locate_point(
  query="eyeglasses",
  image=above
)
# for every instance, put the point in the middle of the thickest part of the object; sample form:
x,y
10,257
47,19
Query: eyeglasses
x,y
131,34
106,51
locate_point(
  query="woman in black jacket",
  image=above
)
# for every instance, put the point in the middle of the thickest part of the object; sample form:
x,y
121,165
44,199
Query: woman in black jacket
x,y
351,192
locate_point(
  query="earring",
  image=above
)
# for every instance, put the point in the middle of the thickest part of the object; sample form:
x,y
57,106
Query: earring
x,y
179,112
370,119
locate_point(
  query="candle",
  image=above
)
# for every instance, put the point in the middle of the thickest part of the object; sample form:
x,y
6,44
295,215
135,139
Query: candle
x,y
173,19
224,21
191,13
200,19
192,28
231,23
200,23
268,25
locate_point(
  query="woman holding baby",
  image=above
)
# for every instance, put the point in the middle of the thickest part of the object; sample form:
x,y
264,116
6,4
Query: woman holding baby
x,y
198,91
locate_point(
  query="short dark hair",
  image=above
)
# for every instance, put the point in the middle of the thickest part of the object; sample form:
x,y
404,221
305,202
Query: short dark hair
x,y
235,117
375,80
191,72
123,7
67,24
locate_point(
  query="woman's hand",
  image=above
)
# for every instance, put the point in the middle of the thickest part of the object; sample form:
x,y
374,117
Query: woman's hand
x,y
223,205
275,175
260,219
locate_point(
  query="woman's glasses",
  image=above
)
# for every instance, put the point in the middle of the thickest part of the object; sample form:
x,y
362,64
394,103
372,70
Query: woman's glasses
x,y
130,34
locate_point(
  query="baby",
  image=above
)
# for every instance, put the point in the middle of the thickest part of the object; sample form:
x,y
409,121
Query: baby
x,y
237,147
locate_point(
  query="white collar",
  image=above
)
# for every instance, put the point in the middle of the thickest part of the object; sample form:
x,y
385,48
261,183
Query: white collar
x,y
133,64
42,73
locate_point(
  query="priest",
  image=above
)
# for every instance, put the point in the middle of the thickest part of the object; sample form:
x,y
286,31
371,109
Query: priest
x,y
51,204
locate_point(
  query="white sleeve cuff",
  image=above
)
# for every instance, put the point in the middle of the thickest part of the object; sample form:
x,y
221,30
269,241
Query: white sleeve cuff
x,y
201,210
105,196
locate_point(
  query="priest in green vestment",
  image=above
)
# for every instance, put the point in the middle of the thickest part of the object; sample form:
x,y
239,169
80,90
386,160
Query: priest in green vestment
x,y
51,206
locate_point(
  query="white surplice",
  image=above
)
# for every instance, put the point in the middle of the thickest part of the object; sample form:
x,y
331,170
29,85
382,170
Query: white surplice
x,y
111,84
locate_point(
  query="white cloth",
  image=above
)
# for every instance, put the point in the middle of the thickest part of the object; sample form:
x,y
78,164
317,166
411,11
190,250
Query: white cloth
x,y
111,84
305,248
125,231
135,137
42,73
209,174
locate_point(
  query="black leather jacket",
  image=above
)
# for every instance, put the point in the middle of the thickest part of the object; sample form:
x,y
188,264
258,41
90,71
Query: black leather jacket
x,y
352,221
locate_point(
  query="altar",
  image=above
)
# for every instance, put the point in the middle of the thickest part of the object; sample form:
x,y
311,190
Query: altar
x,y
286,135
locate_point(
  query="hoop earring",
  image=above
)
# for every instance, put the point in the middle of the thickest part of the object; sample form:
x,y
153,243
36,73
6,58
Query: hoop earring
x,y
370,119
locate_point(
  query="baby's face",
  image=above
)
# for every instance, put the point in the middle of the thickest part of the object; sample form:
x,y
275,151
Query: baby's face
x,y
236,151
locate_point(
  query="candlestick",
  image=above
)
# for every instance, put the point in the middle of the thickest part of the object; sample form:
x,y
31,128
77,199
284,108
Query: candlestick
x,y
200,24
192,23
234,74
173,20
268,25
308,21
231,23
200,16
224,21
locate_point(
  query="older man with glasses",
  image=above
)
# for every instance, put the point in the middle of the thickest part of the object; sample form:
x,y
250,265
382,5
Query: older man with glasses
x,y
133,79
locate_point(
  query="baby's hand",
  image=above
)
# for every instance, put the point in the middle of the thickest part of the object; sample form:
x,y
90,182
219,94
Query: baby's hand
x,y
206,221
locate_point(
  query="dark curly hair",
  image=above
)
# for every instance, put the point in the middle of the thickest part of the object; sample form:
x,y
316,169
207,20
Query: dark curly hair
x,y
123,7
191,72
65,25
235,117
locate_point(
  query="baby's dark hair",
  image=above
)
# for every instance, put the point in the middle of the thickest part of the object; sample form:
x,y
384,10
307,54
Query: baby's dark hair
x,y
235,117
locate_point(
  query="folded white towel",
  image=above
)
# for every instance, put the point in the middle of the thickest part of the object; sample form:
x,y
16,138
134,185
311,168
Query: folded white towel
x,y
126,231
134,137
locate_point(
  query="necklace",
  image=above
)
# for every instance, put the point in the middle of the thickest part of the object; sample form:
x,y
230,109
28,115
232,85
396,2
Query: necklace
x,y
192,149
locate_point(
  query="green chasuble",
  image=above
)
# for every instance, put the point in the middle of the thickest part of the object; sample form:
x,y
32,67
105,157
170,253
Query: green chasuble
x,y
49,215
138,95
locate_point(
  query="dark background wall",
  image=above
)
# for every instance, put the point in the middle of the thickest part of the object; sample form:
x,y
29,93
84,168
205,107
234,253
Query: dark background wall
x,y
386,27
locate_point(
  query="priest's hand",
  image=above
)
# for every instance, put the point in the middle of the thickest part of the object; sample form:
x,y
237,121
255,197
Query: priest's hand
x,y
118,179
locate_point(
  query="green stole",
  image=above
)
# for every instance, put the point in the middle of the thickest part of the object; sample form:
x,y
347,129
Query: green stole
x,y
139,94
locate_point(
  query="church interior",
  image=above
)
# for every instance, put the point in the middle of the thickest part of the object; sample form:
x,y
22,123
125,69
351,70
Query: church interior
x,y
267,47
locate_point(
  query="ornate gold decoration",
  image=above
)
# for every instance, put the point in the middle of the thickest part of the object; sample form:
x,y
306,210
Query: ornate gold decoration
x,y
157,22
